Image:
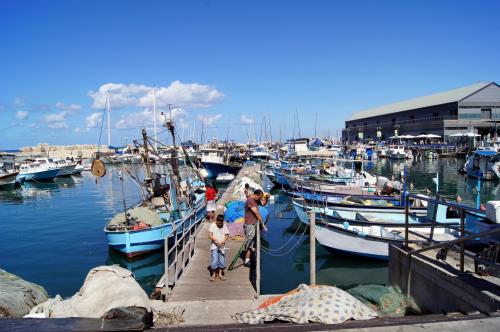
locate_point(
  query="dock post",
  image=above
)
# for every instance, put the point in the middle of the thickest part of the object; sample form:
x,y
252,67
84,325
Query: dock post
x,y
257,260
312,252
165,249
462,234
407,217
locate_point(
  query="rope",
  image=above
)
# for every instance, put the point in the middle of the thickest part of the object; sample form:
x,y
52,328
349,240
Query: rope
x,y
299,241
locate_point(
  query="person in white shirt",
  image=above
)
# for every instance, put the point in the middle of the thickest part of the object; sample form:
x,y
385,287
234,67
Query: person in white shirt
x,y
218,233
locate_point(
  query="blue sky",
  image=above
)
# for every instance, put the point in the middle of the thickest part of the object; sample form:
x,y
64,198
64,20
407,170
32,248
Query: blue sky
x,y
229,63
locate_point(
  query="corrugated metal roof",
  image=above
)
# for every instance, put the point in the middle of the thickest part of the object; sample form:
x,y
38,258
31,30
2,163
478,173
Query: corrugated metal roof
x,y
425,101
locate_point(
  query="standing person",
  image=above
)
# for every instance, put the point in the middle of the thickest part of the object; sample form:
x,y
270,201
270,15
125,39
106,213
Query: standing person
x,y
219,234
252,216
210,194
496,165
245,192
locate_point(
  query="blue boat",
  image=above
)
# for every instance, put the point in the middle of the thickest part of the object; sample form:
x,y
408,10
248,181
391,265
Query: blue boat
x,y
145,229
35,172
479,165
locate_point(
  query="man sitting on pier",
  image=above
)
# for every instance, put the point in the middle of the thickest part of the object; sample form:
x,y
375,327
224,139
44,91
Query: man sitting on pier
x,y
219,234
252,216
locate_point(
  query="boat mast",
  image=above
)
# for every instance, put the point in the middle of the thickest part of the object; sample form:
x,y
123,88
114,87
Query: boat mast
x,y
109,118
148,163
154,117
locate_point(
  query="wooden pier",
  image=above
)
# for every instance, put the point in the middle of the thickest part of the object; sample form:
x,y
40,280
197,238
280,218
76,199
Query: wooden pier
x,y
194,284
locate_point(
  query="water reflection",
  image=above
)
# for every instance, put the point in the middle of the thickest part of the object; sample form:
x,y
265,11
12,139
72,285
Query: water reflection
x,y
147,270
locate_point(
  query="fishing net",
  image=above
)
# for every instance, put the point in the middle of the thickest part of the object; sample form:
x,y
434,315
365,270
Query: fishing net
x,y
388,301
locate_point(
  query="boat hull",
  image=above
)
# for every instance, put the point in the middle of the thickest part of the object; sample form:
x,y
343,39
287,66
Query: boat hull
x,y
8,180
133,243
38,176
215,169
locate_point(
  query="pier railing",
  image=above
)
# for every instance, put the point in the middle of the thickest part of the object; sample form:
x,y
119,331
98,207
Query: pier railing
x,y
179,248
489,255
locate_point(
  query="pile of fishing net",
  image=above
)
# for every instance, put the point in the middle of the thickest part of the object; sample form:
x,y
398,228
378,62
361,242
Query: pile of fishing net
x,y
319,304
388,301
106,289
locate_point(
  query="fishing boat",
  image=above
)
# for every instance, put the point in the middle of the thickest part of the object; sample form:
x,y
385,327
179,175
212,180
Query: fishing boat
x,y
480,165
36,172
143,229
224,178
167,203
370,235
213,161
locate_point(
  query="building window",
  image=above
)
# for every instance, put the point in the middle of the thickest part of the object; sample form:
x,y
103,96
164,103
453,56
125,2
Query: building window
x,y
366,123
378,121
485,113
412,117
435,114
393,120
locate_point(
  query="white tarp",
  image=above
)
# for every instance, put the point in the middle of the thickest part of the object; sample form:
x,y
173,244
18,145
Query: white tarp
x,y
105,288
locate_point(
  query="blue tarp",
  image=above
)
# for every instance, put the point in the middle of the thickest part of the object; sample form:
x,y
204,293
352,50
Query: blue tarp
x,y
236,210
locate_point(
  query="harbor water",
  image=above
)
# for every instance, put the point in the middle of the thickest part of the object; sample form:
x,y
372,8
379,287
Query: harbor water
x,y
53,232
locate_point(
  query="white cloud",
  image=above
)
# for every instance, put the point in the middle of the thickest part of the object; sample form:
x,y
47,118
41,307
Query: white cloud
x,y
185,95
145,118
21,115
80,130
246,120
56,120
70,108
209,120
93,120
58,125
18,101
55,117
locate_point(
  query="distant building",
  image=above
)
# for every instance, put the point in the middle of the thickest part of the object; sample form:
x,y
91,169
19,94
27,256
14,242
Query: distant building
x,y
474,108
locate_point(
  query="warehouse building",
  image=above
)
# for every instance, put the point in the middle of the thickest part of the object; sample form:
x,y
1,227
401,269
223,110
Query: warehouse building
x,y
474,108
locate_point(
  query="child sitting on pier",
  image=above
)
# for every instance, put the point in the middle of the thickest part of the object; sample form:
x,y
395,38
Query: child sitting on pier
x,y
218,233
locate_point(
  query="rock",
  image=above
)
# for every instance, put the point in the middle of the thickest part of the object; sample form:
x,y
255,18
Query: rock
x,y
105,288
17,296
131,313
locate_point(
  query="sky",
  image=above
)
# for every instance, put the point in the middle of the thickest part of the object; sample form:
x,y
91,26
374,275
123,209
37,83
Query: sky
x,y
237,69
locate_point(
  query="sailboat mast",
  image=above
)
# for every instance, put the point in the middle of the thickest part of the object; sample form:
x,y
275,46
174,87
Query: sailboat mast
x,y
154,117
109,118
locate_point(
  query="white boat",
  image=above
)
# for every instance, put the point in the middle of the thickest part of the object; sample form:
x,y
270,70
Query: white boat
x,y
382,152
224,178
8,177
397,152
65,168
8,173
260,153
